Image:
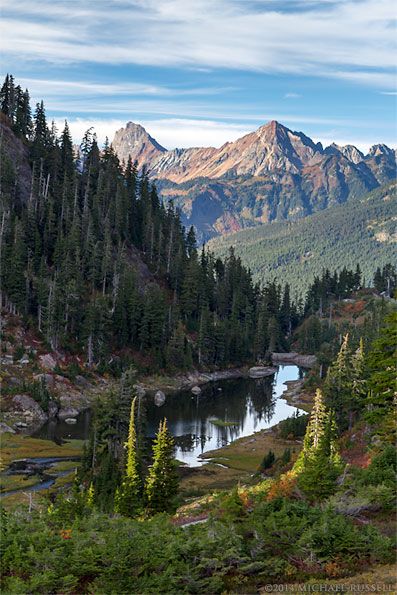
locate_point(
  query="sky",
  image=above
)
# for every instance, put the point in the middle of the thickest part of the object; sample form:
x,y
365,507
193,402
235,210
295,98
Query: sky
x,y
204,72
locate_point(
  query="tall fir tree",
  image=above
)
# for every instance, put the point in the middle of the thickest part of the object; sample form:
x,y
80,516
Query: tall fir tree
x,y
319,462
128,498
161,485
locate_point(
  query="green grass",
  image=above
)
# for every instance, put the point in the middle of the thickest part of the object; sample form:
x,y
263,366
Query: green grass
x,y
16,482
16,446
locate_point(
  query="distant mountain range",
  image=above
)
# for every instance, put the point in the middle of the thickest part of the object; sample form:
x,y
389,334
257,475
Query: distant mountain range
x,y
270,174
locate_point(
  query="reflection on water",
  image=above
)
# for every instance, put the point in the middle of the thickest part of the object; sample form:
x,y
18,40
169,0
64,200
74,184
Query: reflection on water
x,y
58,430
251,405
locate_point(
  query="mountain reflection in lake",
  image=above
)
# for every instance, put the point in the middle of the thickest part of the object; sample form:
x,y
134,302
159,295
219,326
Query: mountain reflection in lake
x,y
251,405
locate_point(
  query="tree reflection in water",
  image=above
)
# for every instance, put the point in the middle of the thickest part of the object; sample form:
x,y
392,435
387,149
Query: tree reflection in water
x,y
250,404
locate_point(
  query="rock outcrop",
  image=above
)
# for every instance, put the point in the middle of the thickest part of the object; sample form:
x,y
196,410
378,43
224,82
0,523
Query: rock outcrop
x,y
261,371
29,408
293,358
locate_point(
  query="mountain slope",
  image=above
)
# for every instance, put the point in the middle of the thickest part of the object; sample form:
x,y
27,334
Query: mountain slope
x,y
363,232
270,174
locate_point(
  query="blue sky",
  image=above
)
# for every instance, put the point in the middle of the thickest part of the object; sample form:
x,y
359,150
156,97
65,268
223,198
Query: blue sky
x,y
202,72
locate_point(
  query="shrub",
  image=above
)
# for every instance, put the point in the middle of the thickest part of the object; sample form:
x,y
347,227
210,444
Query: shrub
x,y
293,427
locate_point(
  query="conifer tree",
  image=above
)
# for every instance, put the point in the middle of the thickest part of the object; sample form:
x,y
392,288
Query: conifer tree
x,y
338,384
128,495
381,369
319,463
161,485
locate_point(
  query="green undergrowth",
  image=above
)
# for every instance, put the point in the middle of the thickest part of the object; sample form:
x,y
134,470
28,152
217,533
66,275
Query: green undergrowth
x,y
252,536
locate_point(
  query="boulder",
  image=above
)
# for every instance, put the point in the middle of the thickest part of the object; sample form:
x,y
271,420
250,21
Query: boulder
x,y
293,358
67,413
82,382
4,429
24,360
47,361
196,390
71,420
261,371
7,360
20,424
29,407
159,398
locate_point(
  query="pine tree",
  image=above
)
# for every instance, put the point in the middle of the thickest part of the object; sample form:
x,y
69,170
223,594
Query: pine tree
x,y
338,384
7,97
381,369
161,485
319,463
128,499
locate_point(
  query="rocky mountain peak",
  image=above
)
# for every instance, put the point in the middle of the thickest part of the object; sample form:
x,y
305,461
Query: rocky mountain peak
x,y
381,149
349,151
135,141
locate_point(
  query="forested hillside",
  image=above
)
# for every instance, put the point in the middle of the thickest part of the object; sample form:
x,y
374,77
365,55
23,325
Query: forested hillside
x,y
86,230
363,232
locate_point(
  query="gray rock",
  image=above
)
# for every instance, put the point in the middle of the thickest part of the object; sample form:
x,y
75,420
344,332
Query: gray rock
x,y
67,412
159,398
29,407
83,382
71,420
261,371
24,360
306,361
47,361
7,359
20,424
196,390
4,429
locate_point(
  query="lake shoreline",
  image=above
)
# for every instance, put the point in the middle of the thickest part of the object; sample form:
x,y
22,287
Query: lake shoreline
x,y
197,378
238,461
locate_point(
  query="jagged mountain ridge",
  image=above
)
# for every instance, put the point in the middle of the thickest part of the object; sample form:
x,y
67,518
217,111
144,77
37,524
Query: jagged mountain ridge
x,y
270,174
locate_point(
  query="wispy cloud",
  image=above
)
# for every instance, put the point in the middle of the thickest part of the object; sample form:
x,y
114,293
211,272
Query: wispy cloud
x,y
50,88
292,96
185,132
348,40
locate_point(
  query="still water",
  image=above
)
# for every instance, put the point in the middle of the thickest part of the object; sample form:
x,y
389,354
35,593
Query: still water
x,y
250,405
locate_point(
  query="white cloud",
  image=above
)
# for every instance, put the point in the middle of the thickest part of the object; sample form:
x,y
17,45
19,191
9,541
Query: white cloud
x,y
292,96
348,40
184,132
170,133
